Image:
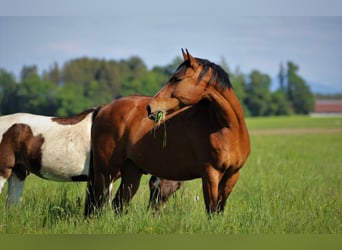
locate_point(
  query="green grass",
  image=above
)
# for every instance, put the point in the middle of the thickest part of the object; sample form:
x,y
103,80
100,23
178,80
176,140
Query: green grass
x,y
290,184
293,122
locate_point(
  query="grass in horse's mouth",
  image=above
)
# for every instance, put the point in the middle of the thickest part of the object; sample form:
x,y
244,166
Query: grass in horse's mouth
x,y
158,118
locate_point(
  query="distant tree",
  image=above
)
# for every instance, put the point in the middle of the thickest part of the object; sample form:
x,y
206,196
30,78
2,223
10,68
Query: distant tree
x,y
8,89
134,71
239,83
136,66
86,82
258,95
53,75
71,100
84,71
279,104
298,92
27,71
35,96
281,77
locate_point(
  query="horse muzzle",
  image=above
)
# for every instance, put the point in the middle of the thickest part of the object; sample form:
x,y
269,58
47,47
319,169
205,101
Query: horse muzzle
x,y
156,116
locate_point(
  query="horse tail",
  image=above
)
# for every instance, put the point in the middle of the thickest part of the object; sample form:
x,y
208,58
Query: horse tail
x,y
96,111
90,205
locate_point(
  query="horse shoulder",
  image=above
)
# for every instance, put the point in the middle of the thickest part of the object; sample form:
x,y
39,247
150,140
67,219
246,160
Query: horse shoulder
x,y
227,149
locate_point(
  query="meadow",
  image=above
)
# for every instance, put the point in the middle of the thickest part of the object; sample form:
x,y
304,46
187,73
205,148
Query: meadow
x,y
291,184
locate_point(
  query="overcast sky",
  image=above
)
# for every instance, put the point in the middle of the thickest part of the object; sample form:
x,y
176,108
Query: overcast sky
x,y
313,43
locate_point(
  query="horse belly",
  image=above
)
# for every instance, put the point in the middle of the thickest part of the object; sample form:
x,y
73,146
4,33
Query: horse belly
x,y
168,162
58,169
65,163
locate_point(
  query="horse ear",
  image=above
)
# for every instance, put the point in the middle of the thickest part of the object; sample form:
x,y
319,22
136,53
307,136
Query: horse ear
x,y
185,56
192,60
188,57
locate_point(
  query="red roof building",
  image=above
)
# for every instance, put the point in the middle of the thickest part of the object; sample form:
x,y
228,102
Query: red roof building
x,y
328,107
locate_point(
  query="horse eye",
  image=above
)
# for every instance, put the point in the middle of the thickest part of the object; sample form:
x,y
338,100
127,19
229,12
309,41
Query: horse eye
x,y
175,79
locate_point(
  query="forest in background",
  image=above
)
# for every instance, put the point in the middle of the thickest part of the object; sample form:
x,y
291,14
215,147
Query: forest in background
x,y
81,83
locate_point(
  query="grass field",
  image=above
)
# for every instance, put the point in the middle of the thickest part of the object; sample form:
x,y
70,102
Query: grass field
x,y
292,183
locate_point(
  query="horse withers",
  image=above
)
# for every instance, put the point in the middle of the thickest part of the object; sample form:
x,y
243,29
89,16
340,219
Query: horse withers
x,y
194,127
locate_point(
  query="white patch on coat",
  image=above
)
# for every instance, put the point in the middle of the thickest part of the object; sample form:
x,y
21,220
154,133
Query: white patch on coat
x,y
15,189
66,148
2,183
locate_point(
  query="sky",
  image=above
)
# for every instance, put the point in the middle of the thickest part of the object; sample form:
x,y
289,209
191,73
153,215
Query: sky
x,y
314,43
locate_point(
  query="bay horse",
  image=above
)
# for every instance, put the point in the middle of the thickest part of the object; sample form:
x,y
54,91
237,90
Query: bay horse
x,y
53,148
200,133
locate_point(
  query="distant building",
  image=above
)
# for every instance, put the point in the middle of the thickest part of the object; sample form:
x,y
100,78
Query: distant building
x,y
327,108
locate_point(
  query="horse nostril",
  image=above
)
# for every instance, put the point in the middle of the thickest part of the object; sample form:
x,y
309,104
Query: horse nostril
x,y
148,108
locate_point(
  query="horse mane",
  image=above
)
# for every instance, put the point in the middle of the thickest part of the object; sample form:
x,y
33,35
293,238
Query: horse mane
x,y
71,120
219,74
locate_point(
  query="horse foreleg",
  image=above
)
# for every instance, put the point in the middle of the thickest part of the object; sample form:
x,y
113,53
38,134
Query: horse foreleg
x,y
226,186
210,182
15,190
217,186
130,180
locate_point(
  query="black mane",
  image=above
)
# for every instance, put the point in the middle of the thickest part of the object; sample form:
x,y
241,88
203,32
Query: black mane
x,y
219,74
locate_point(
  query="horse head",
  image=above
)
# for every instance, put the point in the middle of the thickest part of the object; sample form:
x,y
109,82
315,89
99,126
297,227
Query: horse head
x,y
192,81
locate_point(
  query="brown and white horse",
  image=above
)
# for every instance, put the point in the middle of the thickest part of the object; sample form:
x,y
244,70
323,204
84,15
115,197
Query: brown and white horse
x,y
52,148
200,133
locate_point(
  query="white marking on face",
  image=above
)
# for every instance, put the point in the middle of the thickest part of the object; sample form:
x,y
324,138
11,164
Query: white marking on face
x,y
2,183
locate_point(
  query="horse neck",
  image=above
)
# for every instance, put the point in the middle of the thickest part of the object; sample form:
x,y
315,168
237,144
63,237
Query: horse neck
x,y
228,111
229,114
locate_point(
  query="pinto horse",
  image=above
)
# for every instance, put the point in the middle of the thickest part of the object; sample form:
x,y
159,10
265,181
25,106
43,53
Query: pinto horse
x,y
200,133
52,148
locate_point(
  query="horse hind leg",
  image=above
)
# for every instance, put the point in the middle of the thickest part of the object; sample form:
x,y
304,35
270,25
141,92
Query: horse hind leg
x,y
161,190
97,193
99,182
130,181
154,184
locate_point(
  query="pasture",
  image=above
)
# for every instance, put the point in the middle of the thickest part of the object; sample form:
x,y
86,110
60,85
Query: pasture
x,y
291,183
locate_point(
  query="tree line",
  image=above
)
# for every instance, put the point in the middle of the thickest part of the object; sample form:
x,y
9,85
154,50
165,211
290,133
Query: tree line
x,y
86,82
